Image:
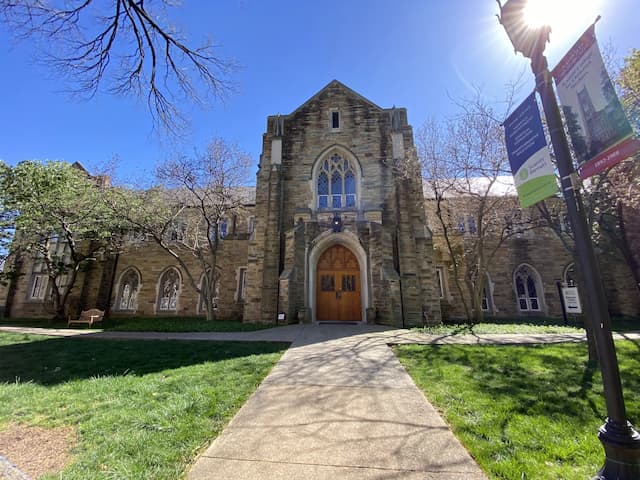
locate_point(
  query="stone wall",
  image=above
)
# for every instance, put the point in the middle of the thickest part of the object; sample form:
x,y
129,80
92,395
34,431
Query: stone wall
x,y
376,142
539,248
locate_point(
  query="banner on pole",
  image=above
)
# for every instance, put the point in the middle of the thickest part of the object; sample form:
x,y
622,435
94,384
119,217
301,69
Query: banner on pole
x,y
600,132
528,154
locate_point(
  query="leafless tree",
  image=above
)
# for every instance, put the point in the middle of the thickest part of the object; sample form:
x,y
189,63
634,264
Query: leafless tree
x,y
184,215
128,45
470,191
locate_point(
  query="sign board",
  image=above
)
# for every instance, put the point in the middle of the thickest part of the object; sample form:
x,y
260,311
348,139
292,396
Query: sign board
x,y
571,300
528,153
600,132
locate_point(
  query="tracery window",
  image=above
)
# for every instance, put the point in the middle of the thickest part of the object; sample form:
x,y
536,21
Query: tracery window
x,y
59,254
128,291
202,306
336,185
169,291
528,289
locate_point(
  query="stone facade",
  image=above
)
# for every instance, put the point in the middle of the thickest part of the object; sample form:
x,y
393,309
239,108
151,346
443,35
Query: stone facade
x,y
538,251
337,174
382,223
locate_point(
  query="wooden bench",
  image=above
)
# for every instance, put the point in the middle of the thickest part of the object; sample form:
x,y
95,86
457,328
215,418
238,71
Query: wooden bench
x,y
89,317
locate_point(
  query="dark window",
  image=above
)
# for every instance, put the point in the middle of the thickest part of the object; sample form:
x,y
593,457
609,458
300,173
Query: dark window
x,y
485,299
335,119
348,283
472,225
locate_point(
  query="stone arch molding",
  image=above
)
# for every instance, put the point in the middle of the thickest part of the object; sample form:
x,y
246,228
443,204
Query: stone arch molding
x,y
127,290
345,153
542,306
320,244
168,290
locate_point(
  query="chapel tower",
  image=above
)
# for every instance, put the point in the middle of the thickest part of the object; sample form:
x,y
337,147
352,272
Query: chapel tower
x,y
340,232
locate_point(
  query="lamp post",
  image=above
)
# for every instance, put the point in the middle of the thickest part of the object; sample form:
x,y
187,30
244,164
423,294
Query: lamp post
x,y
620,440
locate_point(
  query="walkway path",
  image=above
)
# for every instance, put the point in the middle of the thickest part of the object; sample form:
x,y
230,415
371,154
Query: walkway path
x,y
337,405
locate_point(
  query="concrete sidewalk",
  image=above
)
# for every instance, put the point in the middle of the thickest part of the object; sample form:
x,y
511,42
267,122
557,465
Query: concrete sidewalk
x,y
337,405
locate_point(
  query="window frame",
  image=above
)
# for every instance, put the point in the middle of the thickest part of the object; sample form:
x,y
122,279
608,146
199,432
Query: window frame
x,y
526,301
328,165
335,114
160,297
241,286
202,308
440,282
123,276
41,279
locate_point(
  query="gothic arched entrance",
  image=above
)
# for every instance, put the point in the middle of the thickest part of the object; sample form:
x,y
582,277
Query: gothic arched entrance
x,y
338,285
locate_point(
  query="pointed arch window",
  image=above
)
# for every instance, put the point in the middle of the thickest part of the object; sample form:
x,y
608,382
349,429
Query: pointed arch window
x,y
127,299
336,184
487,303
204,283
528,289
169,291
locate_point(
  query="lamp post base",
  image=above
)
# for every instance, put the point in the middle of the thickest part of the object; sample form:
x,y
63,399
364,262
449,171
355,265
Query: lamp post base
x,y
621,445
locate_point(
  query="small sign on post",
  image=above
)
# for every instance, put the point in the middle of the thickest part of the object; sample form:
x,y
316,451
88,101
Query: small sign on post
x,y
571,300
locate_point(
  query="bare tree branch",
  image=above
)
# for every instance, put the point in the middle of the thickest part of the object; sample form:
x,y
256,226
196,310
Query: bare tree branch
x,y
152,61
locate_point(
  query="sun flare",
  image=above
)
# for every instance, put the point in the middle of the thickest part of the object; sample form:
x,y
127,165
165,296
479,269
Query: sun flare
x,y
565,17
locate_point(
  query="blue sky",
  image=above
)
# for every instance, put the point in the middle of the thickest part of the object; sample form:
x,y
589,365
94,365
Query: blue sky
x,y
409,53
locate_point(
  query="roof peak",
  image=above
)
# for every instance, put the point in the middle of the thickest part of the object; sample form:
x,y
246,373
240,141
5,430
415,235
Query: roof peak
x,y
336,83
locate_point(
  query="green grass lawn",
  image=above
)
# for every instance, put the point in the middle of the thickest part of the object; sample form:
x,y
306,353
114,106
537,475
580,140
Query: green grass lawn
x,y
142,409
523,412
157,324
527,325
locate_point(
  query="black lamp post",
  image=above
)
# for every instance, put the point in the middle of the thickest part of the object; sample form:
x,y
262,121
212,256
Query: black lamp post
x,y
620,440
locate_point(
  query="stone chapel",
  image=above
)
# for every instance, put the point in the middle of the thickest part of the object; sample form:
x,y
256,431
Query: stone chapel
x,y
336,230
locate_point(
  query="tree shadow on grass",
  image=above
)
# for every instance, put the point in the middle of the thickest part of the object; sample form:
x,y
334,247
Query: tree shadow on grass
x,y
532,380
58,360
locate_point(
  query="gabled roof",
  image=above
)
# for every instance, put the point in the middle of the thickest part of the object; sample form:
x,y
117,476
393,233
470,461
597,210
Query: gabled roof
x,y
336,83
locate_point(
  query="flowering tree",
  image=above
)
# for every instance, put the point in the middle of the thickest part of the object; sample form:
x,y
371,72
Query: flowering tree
x,y
54,215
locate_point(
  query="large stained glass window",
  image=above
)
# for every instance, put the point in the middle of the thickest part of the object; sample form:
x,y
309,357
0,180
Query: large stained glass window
x,y
336,185
129,287
169,291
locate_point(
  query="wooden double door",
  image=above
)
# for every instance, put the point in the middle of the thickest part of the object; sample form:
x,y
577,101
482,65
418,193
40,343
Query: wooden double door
x,y
338,285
